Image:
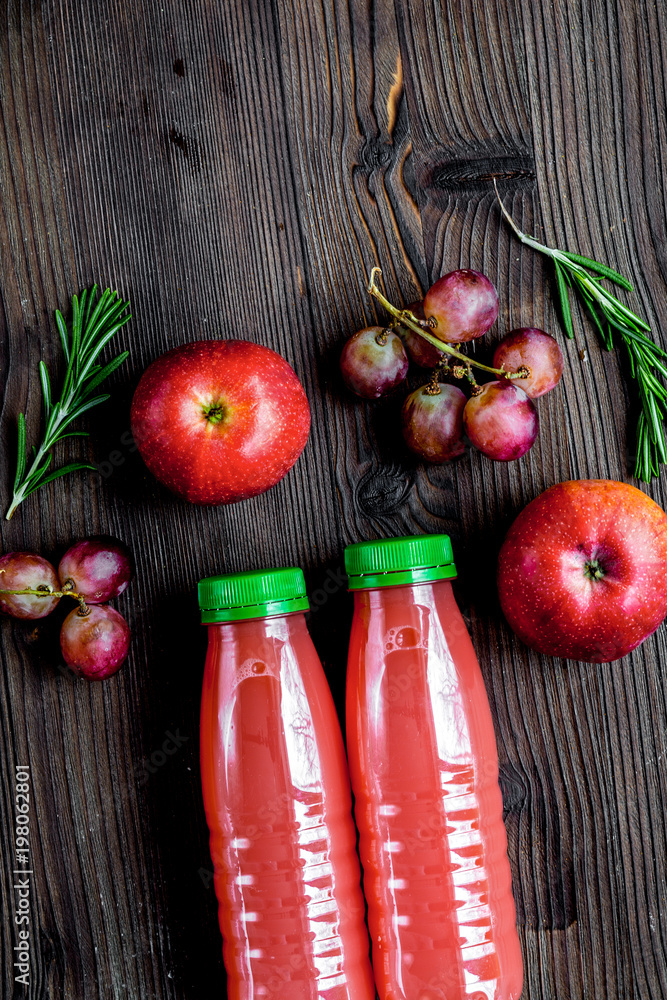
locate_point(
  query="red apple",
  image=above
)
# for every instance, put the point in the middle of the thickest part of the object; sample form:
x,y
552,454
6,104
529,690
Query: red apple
x,y
582,571
219,421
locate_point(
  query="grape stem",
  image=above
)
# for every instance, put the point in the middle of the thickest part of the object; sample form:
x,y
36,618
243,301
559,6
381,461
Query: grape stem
x,y
45,592
405,318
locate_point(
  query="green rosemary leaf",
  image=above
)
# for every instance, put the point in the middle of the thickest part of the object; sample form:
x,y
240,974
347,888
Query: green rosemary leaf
x,y
101,317
594,265
88,405
91,298
37,471
638,460
656,425
619,325
104,373
658,365
62,331
20,460
646,468
64,471
650,416
564,301
650,466
605,335
649,345
46,389
85,301
656,387
97,348
633,359
69,434
611,305
76,327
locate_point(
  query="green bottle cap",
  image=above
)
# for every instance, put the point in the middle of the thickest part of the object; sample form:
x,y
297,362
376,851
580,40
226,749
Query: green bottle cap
x,y
257,594
392,562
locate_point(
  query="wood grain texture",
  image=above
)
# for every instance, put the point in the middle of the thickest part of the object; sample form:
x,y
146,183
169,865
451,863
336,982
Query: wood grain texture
x,y
236,169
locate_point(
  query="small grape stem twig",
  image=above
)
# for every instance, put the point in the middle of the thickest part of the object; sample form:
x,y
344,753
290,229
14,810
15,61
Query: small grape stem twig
x,y
405,318
45,592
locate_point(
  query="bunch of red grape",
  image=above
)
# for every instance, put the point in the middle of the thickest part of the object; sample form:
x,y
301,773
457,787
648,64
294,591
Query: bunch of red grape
x,y
94,637
500,417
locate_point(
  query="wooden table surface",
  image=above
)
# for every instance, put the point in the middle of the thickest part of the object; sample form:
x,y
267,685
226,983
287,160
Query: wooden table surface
x,y
235,169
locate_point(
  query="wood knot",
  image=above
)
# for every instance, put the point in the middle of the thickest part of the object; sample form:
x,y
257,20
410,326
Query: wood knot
x,y
375,154
515,170
513,790
383,491
186,146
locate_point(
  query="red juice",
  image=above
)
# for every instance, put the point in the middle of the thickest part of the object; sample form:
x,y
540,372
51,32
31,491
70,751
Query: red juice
x,y
424,770
277,799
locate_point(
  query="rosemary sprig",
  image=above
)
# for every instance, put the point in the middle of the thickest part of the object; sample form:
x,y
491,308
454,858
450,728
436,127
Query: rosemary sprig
x,y
95,320
613,320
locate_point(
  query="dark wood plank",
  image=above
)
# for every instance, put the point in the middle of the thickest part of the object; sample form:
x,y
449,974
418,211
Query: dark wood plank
x,y
592,160
236,170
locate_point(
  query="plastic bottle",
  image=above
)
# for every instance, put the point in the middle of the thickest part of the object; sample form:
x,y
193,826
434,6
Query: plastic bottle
x,y
424,769
277,799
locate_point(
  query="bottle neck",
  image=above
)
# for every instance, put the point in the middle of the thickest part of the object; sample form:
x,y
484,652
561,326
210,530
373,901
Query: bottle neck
x,y
260,646
282,626
410,593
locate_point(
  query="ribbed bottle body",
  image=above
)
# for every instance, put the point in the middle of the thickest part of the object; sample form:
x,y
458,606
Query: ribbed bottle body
x,y
424,769
277,799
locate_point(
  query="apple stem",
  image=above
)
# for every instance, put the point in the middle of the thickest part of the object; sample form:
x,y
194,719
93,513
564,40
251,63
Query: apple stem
x,y
214,413
407,319
593,570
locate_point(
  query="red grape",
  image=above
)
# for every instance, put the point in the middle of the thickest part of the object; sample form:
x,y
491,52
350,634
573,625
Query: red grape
x,y
95,644
464,305
420,351
433,424
501,421
536,349
373,362
99,569
27,571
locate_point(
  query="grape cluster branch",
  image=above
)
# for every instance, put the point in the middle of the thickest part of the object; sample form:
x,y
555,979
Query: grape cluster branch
x,y
403,317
